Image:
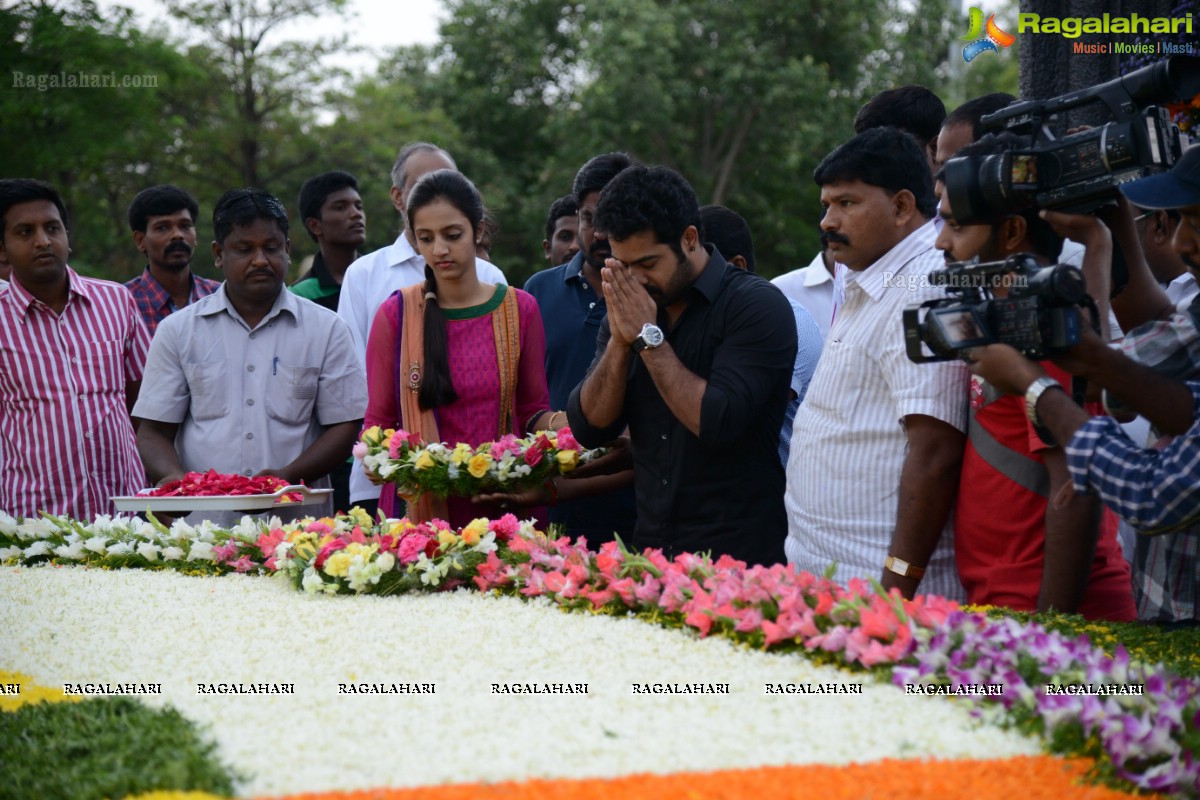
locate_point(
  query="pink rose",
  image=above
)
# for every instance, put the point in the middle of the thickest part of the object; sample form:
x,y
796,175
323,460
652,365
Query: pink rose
x,y
505,528
411,547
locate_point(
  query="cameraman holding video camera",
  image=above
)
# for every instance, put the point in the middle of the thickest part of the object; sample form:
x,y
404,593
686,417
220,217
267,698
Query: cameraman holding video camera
x,y
1156,490
1085,171
1013,546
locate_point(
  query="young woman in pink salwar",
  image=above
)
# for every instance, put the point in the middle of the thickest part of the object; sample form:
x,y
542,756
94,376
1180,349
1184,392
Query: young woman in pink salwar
x,y
454,359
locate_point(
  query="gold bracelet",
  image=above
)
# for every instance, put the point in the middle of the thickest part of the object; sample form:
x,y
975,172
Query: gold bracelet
x,y
550,424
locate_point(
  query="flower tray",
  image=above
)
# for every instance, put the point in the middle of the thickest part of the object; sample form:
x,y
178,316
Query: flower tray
x,y
231,502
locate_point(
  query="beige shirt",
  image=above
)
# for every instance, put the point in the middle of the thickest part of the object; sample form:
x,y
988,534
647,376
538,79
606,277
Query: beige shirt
x,y
848,440
249,399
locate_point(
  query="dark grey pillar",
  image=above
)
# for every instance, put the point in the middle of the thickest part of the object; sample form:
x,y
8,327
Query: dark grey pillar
x,y
1049,68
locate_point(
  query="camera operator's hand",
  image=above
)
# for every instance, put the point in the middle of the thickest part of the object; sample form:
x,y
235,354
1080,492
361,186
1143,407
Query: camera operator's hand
x,y
1004,367
1082,358
1094,235
1083,228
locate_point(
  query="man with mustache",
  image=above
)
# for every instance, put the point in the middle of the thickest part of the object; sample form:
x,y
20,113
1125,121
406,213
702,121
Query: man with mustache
x,y
252,379
163,221
695,357
878,442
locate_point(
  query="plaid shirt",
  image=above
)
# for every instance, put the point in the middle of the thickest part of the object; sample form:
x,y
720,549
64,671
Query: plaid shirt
x,y
154,302
1157,489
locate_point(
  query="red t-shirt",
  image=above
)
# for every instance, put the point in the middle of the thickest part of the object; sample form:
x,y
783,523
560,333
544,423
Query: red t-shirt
x,y
1000,525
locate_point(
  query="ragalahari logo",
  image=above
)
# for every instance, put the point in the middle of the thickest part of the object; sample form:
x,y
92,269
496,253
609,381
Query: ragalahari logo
x,y
992,39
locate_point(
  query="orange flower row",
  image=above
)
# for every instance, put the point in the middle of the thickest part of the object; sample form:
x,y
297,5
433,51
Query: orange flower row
x,y
1030,778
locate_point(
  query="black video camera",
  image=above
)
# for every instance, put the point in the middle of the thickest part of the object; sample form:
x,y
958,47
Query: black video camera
x,y
1040,316
1082,171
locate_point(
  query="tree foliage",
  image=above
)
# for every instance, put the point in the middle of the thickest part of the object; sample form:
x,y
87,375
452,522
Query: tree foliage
x,y
96,144
261,104
744,99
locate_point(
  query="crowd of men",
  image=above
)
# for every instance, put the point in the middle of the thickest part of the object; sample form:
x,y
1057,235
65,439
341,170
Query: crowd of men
x,y
763,420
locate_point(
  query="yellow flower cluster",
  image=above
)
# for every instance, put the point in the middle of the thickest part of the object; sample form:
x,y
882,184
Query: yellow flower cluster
x,y
338,564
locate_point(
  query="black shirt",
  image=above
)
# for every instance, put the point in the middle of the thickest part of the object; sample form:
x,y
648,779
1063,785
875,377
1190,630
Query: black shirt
x,y
723,490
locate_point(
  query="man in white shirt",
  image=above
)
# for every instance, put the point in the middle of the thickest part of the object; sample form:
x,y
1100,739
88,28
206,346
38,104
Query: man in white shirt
x,y
812,288
373,278
877,444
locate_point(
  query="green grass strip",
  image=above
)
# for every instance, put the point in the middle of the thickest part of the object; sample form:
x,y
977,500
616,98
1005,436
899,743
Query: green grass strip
x,y
104,747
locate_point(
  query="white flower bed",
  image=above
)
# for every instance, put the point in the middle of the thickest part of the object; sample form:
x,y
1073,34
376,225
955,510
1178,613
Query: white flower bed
x,y
76,625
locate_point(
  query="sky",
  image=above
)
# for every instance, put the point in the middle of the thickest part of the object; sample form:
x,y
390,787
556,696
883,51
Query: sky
x,y
372,24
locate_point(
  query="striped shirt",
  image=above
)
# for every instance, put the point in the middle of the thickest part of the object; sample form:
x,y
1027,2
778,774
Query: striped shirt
x,y
66,441
849,443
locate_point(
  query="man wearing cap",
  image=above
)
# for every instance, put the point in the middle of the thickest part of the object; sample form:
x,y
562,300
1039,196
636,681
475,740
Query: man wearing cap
x,y
1156,374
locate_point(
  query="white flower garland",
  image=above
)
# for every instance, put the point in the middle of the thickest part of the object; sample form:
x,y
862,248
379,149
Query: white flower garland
x,y
83,625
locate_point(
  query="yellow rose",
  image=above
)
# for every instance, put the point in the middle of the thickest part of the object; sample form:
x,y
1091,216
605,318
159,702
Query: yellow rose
x,y
567,459
472,533
372,434
425,461
361,518
447,538
479,464
462,452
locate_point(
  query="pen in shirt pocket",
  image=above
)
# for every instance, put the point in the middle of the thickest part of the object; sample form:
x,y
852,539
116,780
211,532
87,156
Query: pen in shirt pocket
x,y
274,365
